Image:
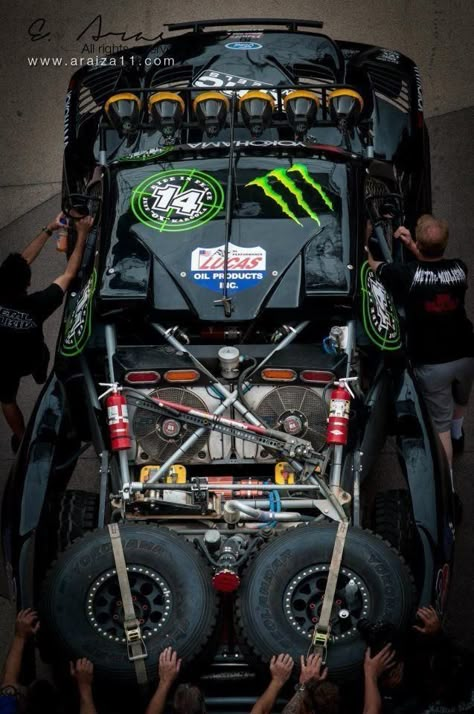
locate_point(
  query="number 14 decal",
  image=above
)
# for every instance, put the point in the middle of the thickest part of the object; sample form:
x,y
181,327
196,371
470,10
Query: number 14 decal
x,y
187,203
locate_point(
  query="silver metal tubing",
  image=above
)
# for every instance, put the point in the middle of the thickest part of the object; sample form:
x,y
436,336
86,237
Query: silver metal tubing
x,y
124,470
111,346
137,487
231,397
256,514
351,338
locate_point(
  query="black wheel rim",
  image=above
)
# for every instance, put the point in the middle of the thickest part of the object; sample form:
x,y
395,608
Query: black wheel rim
x,y
303,600
151,597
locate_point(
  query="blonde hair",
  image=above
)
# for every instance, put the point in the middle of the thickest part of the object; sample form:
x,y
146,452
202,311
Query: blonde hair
x,y
432,236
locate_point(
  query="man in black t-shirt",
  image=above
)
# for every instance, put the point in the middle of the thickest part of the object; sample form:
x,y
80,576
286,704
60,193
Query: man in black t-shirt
x,y
23,350
440,338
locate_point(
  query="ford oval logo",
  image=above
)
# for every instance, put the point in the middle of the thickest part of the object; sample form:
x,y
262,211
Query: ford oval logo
x,y
243,46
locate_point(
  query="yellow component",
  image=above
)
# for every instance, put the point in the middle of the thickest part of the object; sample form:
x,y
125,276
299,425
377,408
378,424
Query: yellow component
x,y
284,476
346,93
176,474
166,96
120,97
218,96
301,93
257,94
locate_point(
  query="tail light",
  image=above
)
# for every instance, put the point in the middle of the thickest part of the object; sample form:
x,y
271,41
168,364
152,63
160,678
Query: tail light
x,y
315,376
181,375
142,378
278,375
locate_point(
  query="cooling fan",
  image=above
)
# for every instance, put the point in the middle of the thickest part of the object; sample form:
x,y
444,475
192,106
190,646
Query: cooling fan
x,y
158,437
298,411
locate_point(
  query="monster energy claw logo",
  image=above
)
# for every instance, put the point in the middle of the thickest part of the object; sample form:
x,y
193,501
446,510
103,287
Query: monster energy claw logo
x,y
266,183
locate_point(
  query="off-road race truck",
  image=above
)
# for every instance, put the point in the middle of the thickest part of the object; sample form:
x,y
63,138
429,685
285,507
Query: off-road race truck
x,y
235,365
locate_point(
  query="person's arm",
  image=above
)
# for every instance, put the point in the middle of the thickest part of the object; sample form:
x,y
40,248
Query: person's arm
x,y
280,670
311,668
168,669
373,668
83,673
430,622
34,248
26,626
83,226
404,235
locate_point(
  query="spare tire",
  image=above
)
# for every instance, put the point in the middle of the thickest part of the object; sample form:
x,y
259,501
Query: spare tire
x,y
281,594
81,610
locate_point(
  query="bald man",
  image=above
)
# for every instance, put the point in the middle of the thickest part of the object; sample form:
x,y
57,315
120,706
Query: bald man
x,y
440,338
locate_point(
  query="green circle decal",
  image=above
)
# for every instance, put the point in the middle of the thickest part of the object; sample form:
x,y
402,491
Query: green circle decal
x,y
177,200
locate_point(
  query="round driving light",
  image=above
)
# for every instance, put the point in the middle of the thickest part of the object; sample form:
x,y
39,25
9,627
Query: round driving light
x,y
301,108
123,112
256,108
345,106
166,111
211,111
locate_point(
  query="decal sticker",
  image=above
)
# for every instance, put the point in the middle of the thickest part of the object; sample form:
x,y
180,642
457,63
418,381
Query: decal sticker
x,y
419,89
389,56
379,315
246,35
441,588
77,329
243,46
245,267
209,79
177,200
281,177
146,155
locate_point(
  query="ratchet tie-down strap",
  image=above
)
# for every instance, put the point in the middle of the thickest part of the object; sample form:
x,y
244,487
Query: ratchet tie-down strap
x,y
136,648
320,638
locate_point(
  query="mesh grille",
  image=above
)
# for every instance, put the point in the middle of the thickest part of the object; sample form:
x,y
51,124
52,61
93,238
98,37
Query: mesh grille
x,y
148,432
303,400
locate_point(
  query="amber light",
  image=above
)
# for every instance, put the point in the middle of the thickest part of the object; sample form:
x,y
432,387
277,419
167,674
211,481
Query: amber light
x,y
150,377
182,375
316,376
278,375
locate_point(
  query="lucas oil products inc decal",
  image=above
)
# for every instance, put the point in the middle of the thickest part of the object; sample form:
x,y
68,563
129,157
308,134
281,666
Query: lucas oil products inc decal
x,y
246,267
177,200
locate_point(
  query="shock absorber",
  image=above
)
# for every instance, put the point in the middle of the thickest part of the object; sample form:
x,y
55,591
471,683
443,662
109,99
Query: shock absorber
x,y
117,417
339,411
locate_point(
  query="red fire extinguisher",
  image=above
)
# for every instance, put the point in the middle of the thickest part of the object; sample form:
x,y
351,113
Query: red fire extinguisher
x,y
339,410
117,419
